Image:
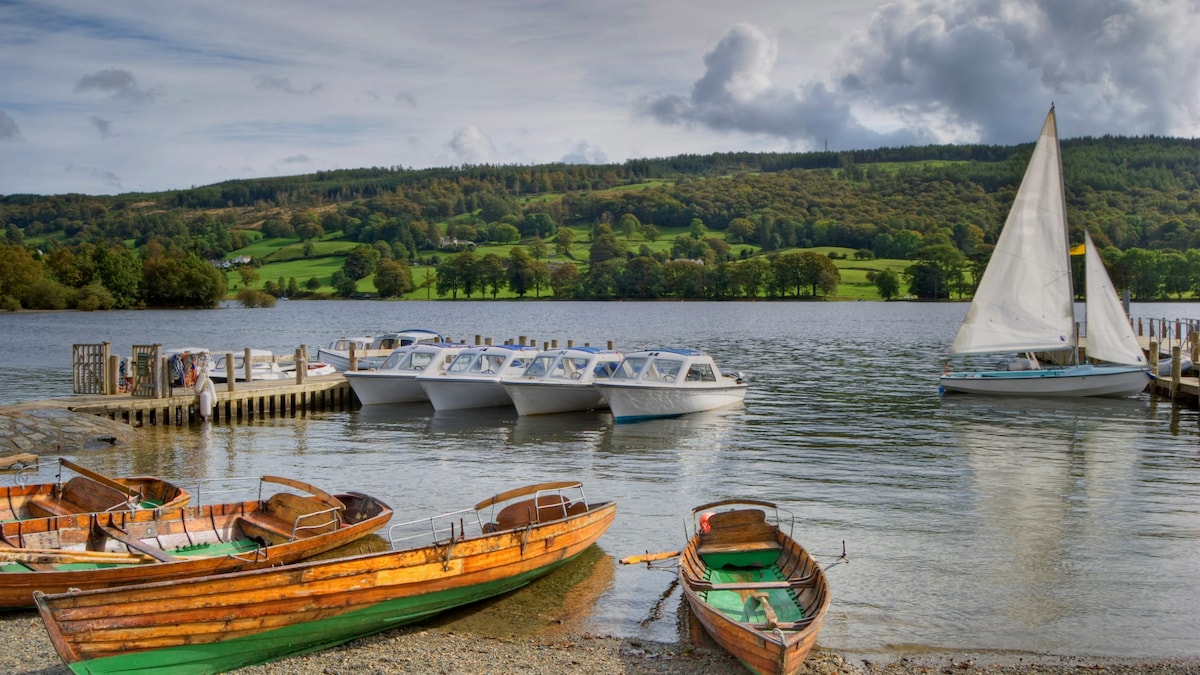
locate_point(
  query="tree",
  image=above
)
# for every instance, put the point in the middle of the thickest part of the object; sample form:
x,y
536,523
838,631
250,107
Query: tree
x,y
629,224
521,275
819,273
888,284
360,262
343,285
605,246
393,278
248,274
563,239
740,231
312,284
564,279
172,278
491,273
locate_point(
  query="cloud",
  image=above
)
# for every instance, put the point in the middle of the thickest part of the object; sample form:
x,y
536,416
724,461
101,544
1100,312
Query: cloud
x,y
9,131
406,97
471,146
296,159
118,84
284,84
961,71
102,125
736,94
584,152
990,69
107,177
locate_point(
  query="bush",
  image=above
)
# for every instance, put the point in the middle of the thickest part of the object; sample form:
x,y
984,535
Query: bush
x,y
251,297
92,297
10,304
48,294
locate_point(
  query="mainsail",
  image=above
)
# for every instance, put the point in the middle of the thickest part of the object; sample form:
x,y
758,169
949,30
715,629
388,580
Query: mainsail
x,y
1025,302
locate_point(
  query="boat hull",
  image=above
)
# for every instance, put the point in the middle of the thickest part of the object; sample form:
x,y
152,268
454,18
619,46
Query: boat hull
x,y
544,398
1077,381
200,539
215,624
461,393
635,401
379,387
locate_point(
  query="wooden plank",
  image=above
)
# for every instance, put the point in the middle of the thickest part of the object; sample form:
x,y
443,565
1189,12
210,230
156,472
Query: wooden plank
x,y
135,544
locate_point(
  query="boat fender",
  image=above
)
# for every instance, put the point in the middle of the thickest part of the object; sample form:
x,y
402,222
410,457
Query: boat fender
x,y
208,396
705,527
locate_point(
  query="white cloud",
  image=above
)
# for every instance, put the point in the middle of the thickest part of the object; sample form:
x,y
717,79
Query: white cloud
x,y
471,146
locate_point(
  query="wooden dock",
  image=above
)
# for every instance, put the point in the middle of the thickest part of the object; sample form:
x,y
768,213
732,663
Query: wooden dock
x,y
278,398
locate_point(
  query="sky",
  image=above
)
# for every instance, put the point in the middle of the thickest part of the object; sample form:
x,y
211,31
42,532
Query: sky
x,y
143,96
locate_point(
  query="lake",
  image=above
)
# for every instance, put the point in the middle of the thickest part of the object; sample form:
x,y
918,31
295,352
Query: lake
x,y
1017,526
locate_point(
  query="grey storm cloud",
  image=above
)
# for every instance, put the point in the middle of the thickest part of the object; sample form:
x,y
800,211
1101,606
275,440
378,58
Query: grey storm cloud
x,y
736,94
118,84
102,125
296,159
103,175
9,131
1119,66
284,84
964,70
407,98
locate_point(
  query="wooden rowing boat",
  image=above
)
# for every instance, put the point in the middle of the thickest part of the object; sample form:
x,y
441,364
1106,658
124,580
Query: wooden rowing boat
x,y
88,492
212,624
756,591
83,551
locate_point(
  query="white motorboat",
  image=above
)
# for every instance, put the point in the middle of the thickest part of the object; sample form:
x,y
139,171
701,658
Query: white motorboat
x,y
560,380
1026,302
371,351
472,380
263,367
396,380
668,383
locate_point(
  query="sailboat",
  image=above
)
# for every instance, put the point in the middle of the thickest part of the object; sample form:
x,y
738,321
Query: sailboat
x,y
1025,302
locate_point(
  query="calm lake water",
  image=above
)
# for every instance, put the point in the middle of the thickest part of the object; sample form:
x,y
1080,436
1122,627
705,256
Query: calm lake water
x,y
1019,526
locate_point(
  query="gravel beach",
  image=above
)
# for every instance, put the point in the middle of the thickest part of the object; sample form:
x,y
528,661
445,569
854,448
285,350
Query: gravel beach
x,y
445,648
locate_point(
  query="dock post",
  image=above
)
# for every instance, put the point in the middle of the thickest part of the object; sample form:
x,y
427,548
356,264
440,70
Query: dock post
x,y
1153,353
353,358
229,374
1176,369
301,366
248,364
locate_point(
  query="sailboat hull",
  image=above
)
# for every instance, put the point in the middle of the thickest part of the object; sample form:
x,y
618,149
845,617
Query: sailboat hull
x,y
1086,380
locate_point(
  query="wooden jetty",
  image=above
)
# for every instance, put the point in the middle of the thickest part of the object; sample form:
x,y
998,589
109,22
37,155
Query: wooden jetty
x,y
251,400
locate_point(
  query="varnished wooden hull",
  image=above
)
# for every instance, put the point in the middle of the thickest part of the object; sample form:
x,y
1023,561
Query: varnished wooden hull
x,y
211,624
802,589
199,540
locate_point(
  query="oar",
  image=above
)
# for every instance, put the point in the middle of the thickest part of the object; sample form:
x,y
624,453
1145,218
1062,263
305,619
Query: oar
x,y
52,557
649,557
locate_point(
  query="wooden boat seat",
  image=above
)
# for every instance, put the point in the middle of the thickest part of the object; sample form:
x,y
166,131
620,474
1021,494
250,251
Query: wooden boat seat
x,y
740,530
791,584
520,514
286,515
78,495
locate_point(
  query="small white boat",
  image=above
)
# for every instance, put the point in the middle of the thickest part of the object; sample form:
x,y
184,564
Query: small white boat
x,y
396,380
668,383
312,369
560,380
263,367
371,351
472,380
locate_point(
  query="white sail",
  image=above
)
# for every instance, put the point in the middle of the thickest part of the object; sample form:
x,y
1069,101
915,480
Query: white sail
x,y
1025,298
1109,334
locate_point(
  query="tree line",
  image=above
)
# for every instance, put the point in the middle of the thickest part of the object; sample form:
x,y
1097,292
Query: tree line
x,y
940,207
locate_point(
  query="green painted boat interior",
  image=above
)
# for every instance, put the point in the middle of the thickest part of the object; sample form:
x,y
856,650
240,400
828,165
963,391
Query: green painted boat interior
x,y
749,567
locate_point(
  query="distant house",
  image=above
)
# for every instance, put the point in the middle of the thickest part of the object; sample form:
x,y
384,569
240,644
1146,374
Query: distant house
x,y
232,262
448,244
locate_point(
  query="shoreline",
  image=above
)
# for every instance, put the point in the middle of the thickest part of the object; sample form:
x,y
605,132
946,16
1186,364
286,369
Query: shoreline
x,y
446,647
